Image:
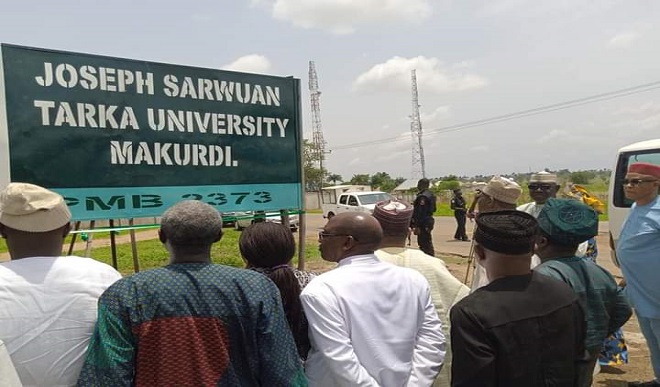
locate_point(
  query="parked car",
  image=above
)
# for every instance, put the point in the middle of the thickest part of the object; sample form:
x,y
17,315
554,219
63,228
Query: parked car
x,y
354,201
244,219
228,219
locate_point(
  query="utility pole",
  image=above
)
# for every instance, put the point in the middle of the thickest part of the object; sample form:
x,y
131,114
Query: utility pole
x,y
418,164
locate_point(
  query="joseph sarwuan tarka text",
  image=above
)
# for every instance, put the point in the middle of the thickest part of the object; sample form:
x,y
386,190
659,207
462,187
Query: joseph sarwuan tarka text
x,y
108,116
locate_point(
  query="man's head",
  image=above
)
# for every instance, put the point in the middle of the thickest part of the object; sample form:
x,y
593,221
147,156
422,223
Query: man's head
x,y
500,194
504,242
34,220
394,218
458,192
642,182
188,229
543,186
423,184
563,225
349,234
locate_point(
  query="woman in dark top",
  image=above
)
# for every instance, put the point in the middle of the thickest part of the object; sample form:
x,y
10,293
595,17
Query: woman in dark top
x,y
268,248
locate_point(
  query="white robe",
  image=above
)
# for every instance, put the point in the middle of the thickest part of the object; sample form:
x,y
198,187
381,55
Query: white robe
x,y
372,324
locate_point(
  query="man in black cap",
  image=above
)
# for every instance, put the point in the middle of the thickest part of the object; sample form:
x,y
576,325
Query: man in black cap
x,y
422,220
564,224
510,332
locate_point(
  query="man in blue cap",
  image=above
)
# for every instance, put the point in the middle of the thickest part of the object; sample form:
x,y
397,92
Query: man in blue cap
x,y
563,225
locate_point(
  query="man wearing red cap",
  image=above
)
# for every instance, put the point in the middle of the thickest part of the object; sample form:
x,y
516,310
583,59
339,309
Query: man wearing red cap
x,y
637,251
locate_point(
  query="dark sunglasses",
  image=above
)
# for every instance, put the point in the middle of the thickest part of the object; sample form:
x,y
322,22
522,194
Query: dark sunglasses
x,y
323,234
544,187
636,182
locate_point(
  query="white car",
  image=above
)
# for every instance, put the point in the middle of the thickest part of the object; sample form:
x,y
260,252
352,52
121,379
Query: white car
x,y
354,201
244,219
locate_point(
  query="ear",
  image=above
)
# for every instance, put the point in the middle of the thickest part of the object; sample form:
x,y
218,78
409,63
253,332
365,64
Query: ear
x,y
479,252
541,243
350,242
161,236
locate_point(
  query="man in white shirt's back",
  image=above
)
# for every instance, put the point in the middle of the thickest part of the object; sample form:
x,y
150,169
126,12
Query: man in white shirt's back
x,y
370,323
47,302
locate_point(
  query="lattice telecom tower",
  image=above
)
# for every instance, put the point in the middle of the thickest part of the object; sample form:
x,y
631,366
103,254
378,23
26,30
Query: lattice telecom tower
x,y
418,165
317,129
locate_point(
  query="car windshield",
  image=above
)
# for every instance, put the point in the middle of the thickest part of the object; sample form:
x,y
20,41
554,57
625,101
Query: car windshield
x,y
374,198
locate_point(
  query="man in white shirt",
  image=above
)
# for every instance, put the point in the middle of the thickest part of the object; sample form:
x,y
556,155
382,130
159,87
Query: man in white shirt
x,y
446,290
47,302
370,323
542,186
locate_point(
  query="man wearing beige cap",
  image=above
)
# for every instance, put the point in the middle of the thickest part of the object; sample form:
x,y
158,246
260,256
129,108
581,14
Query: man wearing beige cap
x,y
500,194
47,302
394,217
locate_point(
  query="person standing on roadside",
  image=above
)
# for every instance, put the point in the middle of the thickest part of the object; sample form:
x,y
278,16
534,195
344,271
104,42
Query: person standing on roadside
x,y
458,205
422,220
637,251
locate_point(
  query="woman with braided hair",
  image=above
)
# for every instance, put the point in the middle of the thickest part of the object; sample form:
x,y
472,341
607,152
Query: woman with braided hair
x,y
268,248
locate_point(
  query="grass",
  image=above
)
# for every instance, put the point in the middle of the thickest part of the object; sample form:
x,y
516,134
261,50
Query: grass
x,y
152,254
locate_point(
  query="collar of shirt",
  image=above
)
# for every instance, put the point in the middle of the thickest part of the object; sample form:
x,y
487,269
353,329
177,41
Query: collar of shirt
x,y
364,259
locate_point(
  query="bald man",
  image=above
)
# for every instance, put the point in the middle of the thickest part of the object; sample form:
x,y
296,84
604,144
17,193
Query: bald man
x,y
371,323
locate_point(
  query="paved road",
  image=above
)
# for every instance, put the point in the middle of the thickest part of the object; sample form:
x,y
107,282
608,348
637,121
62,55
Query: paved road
x,y
443,240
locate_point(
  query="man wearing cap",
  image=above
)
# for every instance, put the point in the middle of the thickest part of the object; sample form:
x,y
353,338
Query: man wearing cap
x,y
47,302
499,194
564,224
637,251
370,323
422,220
446,290
542,186
511,332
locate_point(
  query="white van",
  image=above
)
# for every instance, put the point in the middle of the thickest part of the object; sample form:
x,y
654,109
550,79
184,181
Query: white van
x,y
354,201
618,205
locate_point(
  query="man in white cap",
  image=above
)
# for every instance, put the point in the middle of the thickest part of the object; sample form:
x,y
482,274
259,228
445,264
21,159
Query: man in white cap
x,y
394,217
500,194
542,186
47,302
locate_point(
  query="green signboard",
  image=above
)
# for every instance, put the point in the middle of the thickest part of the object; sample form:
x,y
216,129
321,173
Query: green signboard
x,y
124,138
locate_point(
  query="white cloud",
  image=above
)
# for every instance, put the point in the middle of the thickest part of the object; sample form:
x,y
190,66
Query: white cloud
x,y
250,64
480,149
432,76
553,135
624,39
343,16
440,113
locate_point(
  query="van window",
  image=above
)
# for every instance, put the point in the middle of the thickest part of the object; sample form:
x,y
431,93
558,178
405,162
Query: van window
x,y
649,156
342,199
352,201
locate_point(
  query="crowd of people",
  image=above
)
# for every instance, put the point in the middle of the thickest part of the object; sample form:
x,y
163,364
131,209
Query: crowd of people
x,y
538,313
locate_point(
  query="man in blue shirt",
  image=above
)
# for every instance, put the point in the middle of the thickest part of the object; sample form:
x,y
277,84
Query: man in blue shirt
x,y
638,255
563,225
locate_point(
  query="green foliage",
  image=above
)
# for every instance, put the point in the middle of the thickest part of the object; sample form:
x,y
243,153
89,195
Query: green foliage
x,y
361,179
582,177
334,178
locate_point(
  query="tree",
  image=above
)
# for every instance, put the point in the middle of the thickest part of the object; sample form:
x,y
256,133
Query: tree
x,y
360,179
313,174
582,177
334,178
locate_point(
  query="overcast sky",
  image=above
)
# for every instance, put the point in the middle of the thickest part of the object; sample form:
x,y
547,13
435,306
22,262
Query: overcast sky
x,y
475,59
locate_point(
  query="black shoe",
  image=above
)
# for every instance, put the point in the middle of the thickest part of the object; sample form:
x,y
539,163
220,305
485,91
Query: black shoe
x,y
465,240
650,383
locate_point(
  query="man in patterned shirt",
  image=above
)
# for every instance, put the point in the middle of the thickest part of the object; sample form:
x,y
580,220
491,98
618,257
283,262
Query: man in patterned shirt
x,y
192,323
